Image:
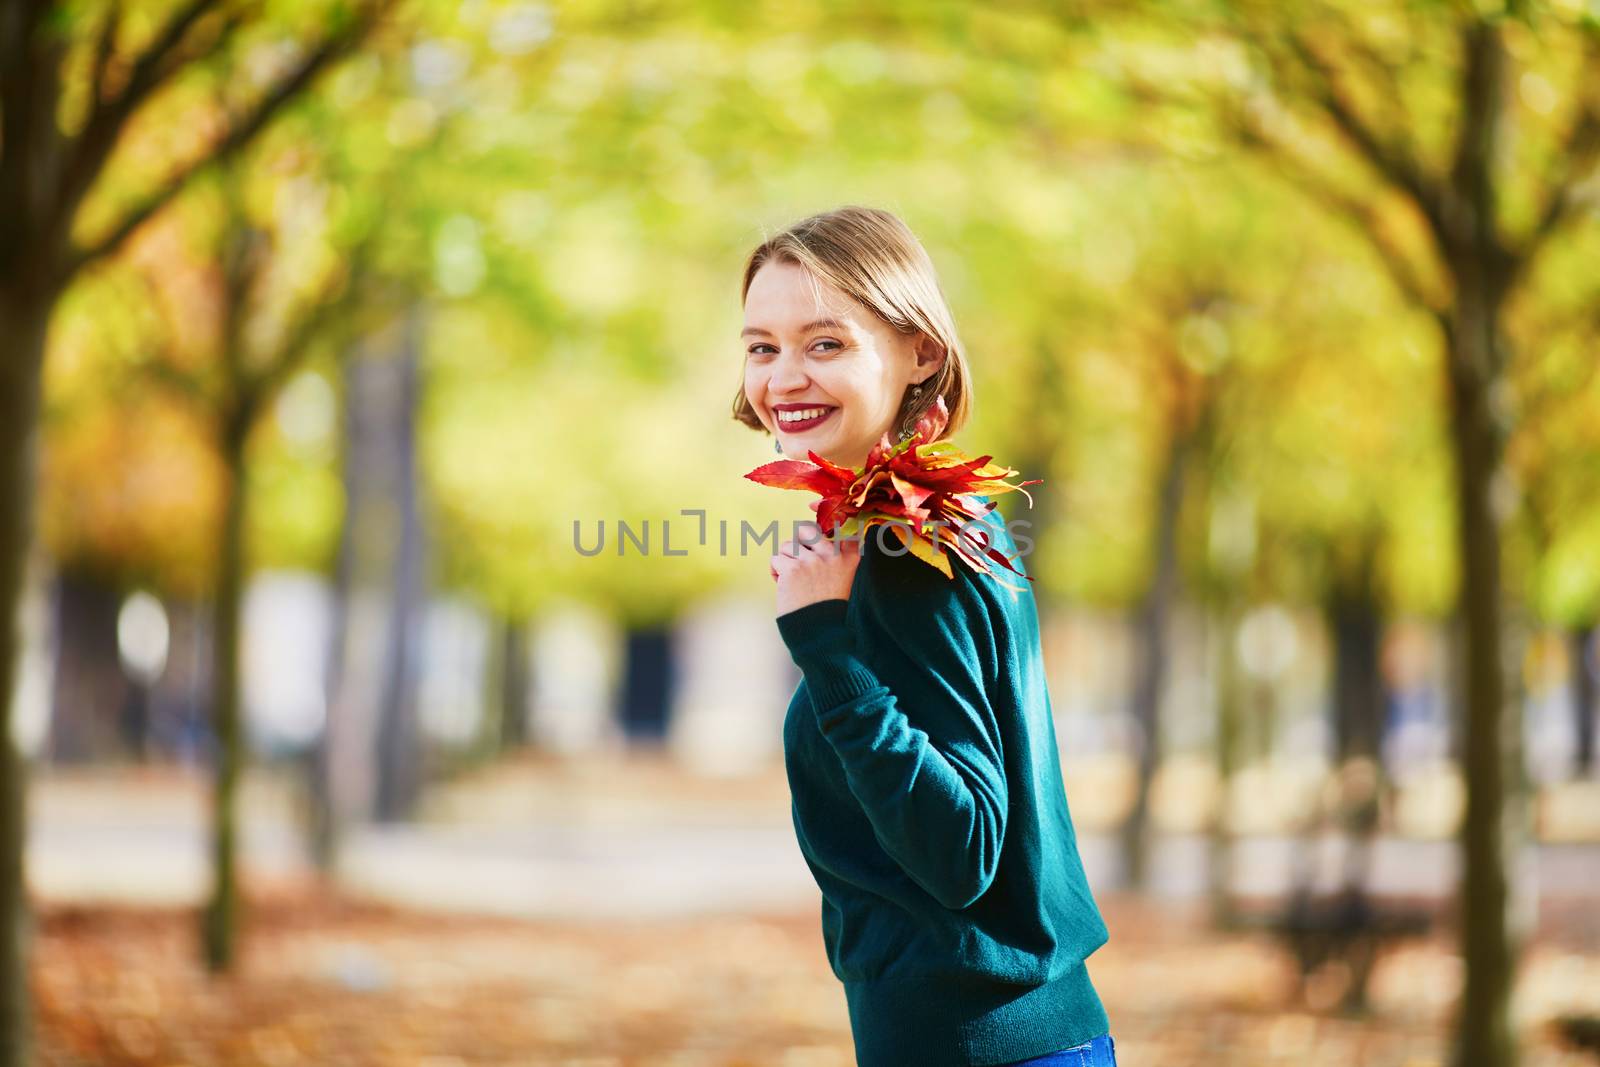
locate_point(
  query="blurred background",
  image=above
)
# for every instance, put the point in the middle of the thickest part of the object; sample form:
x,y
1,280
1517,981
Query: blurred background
x,y
395,683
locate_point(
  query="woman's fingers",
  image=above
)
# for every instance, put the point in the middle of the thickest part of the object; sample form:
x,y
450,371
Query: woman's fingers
x,y
809,535
794,545
810,540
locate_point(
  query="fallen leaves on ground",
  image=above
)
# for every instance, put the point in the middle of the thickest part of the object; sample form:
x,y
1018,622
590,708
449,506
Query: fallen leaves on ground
x,y
329,981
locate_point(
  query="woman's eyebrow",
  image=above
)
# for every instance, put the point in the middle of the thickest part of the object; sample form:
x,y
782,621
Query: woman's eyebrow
x,y
820,324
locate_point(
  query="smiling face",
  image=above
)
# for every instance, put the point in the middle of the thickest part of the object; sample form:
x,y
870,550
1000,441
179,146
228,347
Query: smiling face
x,y
825,375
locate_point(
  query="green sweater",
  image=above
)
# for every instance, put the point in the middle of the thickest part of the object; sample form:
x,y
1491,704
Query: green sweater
x,y
929,804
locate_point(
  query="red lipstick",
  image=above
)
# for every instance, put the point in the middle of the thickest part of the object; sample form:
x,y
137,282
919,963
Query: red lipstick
x,y
797,427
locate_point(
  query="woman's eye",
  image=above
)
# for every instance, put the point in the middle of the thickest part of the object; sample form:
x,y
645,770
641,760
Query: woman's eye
x,y
768,350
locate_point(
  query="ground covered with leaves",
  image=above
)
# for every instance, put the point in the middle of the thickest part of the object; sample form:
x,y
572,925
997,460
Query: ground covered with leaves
x,y
330,981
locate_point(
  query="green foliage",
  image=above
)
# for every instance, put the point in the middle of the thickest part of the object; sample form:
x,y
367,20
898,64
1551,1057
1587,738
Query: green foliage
x,y
574,190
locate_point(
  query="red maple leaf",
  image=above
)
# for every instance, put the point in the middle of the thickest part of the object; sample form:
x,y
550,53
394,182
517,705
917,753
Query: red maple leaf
x,y
925,490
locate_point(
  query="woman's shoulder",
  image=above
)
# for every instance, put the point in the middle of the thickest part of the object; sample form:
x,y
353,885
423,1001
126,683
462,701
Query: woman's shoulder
x,y
898,577
942,620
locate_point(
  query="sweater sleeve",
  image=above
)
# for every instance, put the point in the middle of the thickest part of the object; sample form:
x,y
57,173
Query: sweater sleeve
x,y
930,777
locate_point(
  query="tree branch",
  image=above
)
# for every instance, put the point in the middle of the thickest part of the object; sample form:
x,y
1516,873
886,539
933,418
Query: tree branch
x,y
153,67
1251,135
1392,161
29,141
296,346
243,258
164,57
239,135
1477,250
1578,163
1356,42
102,54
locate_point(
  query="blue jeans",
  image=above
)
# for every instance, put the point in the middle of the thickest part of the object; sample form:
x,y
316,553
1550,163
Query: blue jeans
x,y
1099,1052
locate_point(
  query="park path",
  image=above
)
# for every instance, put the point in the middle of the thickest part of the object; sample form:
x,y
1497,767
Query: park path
x,y
623,835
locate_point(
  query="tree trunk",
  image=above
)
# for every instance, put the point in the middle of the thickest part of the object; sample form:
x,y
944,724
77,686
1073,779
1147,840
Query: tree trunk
x,y
371,614
90,690
1150,666
400,771
1484,1025
1580,642
1475,359
649,676
514,671
221,913
326,814
1359,700
23,321
1357,681
1225,622
1358,692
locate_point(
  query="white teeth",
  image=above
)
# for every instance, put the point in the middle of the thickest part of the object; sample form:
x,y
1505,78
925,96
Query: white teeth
x,y
801,416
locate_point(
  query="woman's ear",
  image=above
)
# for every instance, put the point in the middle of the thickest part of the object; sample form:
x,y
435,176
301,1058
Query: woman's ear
x,y
930,354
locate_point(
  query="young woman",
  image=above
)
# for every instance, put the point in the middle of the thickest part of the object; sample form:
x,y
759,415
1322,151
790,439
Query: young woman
x,y
920,746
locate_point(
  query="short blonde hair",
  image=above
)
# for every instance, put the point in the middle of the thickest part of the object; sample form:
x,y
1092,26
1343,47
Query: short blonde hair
x,y
873,257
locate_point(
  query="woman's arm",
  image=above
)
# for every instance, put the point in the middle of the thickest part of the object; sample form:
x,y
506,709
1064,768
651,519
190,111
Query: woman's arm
x,y
930,778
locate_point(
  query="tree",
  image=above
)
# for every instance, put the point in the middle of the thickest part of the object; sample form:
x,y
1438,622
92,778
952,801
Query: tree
x,y
233,389
1344,104
54,63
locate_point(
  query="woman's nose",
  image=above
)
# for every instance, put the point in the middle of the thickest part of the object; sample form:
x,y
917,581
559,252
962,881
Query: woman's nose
x,y
788,375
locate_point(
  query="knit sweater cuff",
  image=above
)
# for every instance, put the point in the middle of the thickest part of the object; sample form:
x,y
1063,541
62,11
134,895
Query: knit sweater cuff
x,y
821,645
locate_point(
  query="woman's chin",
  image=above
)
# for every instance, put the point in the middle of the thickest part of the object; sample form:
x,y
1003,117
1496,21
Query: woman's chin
x,y
796,446
799,444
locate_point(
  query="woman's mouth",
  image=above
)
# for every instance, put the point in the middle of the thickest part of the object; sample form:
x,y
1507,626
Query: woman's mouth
x,y
797,420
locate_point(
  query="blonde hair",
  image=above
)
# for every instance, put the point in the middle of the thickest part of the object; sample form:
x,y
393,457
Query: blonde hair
x,y
873,257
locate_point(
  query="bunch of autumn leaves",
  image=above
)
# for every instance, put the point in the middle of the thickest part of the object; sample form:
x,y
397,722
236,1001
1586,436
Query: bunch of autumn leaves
x,y
924,490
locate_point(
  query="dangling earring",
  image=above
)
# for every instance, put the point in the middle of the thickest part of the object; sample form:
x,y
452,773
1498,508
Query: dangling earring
x,y
909,427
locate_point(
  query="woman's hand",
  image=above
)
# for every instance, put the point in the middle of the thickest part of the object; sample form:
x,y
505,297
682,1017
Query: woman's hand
x,y
812,569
